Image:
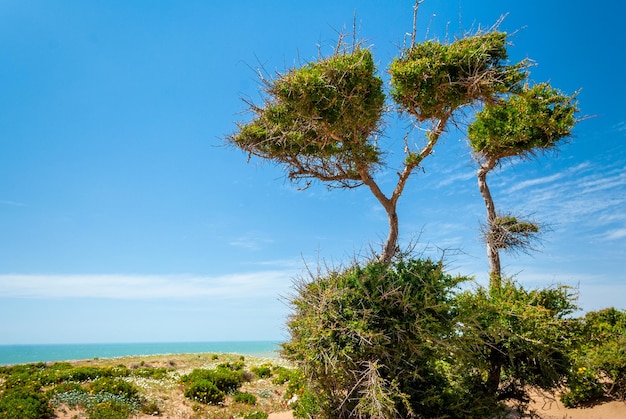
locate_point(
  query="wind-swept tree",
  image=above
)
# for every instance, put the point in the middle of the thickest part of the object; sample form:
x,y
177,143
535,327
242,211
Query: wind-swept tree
x,y
531,121
323,121
527,122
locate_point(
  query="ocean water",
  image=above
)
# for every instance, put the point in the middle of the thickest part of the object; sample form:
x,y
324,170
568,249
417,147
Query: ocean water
x,y
20,354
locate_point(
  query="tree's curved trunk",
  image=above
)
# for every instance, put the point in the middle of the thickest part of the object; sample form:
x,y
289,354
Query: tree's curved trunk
x,y
391,244
390,204
495,270
493,255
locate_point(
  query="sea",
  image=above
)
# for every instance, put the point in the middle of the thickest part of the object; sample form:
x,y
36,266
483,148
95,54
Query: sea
x,y
23,354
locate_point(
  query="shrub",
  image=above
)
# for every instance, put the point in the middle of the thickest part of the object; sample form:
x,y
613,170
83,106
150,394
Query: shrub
x,y
264,371
256,415
233,366
24,403
602,355
150,408
114,386
110,409
245,398
512,339
205,391
154,373
582,386
225,379
368,339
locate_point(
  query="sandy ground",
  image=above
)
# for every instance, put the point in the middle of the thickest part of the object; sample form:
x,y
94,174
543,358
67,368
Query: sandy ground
x,y
550,409
281,415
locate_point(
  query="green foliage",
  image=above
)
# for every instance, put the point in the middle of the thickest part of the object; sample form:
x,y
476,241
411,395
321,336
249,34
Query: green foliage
x,y
246,398
225,379
205,391
263,371
154,373
531,120
319,119
368,339
582,386
114,386
512,338
602,358
110,409
24,403
256,415
319,114
433,79
233,366
510,233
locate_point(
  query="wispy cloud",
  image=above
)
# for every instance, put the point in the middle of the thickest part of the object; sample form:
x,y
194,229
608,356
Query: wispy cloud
x,y
256,284
251,241
12,203
616,234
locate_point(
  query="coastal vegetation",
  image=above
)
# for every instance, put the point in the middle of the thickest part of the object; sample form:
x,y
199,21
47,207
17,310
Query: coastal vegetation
x,y
181,386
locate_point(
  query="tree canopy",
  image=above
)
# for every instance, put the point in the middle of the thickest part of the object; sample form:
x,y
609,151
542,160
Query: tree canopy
x,y
322,121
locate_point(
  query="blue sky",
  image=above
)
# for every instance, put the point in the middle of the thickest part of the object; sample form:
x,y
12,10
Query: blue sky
x,y
124,218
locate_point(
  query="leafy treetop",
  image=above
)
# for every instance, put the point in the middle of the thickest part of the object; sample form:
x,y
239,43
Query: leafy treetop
x,y
433,79
320,119
534,119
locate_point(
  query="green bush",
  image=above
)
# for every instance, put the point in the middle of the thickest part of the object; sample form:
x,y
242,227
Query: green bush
x,y
154,373
602,355
233,366
245,398
114,386
282,375
368,339
110,409
24,403
512,339
263,371
256,415
205,391
225,379
582,386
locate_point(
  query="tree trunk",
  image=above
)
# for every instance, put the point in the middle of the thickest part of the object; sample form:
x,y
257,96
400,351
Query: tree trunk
x,y
391,244
495,371
492,249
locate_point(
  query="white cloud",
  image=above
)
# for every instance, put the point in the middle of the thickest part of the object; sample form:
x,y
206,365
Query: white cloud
x,y
619,233
534,182
257,284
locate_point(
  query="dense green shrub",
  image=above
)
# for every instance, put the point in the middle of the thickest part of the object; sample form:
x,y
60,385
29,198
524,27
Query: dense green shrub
x,y
256,415
600,360
204,391
369,340
263,371
582,386
246,398
511,339
226,379
24,403
110,409
114,386
282,374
